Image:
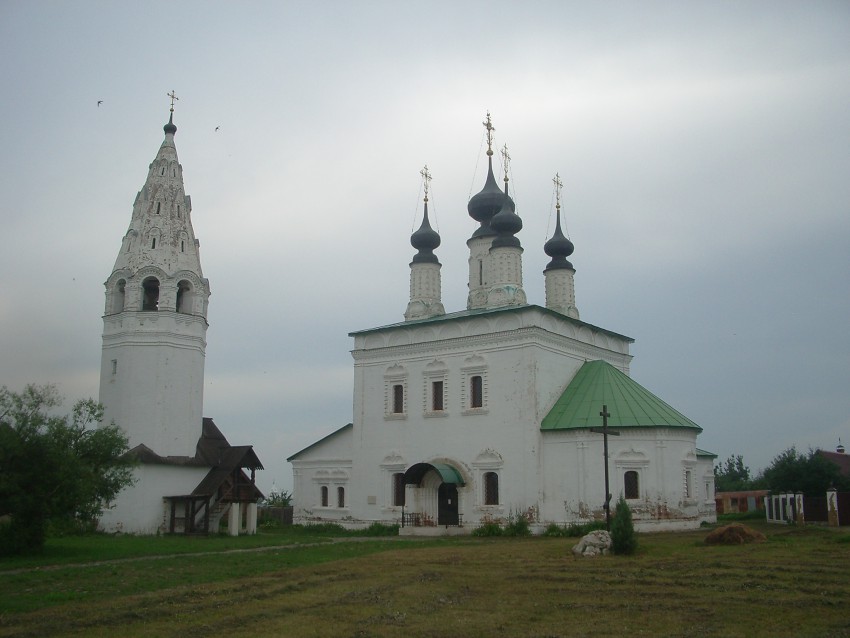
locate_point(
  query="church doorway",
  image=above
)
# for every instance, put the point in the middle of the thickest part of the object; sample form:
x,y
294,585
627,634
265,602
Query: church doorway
x,y
434,498
447,512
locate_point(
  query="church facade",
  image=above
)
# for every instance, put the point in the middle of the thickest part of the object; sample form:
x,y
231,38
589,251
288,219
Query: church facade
x,y
495,410
152,372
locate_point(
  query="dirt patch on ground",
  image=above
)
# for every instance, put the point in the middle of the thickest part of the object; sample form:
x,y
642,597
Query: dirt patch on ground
x,y
734,534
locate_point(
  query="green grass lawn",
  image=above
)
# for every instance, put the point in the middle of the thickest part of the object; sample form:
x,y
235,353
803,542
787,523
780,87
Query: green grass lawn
x,y
795,584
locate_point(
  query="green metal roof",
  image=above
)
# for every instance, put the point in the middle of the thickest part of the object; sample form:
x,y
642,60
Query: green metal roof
x,y
449,474
598,383
466,314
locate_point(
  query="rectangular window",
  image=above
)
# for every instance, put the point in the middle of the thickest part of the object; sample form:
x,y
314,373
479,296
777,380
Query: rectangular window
x,y
398,399
437,396
491,488
324,495
340,497
115,366
398,489
630,483
476,391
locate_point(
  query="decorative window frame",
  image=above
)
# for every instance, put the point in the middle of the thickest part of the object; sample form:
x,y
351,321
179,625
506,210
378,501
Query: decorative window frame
x,y
631,461
395,375
436,371
690,495
474,366
488,461
392,464
331,481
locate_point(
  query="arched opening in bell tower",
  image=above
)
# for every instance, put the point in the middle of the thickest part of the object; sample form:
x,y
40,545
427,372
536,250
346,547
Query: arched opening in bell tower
x,y
185,297
150,298
118,296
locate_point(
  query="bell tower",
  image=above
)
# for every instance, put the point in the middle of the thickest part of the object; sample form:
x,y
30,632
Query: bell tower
x,y
155,317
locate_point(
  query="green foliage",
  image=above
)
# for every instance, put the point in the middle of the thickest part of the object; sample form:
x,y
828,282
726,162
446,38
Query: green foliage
x,y
518,524
752,515
583,529
734,476
623,537
379,529
811,474
488,528
278,499
55,470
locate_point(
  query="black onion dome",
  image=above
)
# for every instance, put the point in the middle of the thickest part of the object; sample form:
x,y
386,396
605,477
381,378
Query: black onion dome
x,y
558,248
425,240
485,204
506,222
170,127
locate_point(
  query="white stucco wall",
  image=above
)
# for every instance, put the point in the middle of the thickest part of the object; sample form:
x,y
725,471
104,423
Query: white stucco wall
x,y
141,509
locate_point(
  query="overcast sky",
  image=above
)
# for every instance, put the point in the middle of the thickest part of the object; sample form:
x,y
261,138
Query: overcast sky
x,y
704,149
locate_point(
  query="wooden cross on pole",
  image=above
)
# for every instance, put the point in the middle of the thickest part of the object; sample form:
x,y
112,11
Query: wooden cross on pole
x,y
605,432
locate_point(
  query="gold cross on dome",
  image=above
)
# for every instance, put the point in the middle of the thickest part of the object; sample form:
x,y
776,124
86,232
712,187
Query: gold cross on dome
x,y
506,160
426,177
488,124
173,97
558,186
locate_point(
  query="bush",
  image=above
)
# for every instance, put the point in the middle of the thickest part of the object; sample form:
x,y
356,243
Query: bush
x,y
623,538
379,529
488,528
518,525
574,530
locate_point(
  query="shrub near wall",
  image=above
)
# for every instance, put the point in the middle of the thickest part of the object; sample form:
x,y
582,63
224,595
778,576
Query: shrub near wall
x,y
623,537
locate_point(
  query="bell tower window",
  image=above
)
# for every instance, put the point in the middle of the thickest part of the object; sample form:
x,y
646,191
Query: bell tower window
x,y
118,297
184,297
150,288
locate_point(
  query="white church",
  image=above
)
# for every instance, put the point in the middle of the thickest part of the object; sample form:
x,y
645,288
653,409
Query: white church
x,y
493,411
188,476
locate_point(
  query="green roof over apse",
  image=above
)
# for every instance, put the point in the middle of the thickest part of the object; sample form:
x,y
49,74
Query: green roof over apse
x,y
598,383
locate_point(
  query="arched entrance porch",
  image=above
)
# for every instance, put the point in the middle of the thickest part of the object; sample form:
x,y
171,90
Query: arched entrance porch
x,y
434,499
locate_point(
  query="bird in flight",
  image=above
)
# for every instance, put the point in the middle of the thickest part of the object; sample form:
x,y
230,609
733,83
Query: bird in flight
x,y
99,102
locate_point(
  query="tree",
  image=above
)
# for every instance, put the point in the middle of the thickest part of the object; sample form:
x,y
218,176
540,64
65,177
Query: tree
x,y
811,474
733,475
278,499
623,537
54,468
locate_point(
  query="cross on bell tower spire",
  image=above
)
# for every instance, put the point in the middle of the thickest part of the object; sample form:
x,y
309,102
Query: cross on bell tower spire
x,y
173,97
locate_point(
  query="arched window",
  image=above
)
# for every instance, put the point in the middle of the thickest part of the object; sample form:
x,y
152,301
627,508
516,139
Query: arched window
x,y
491,488
185,297
631,484
398,489
324,495
118,296
158,204
340,497
150,298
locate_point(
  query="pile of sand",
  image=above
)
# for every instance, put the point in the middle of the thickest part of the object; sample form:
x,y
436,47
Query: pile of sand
x,y
734,534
